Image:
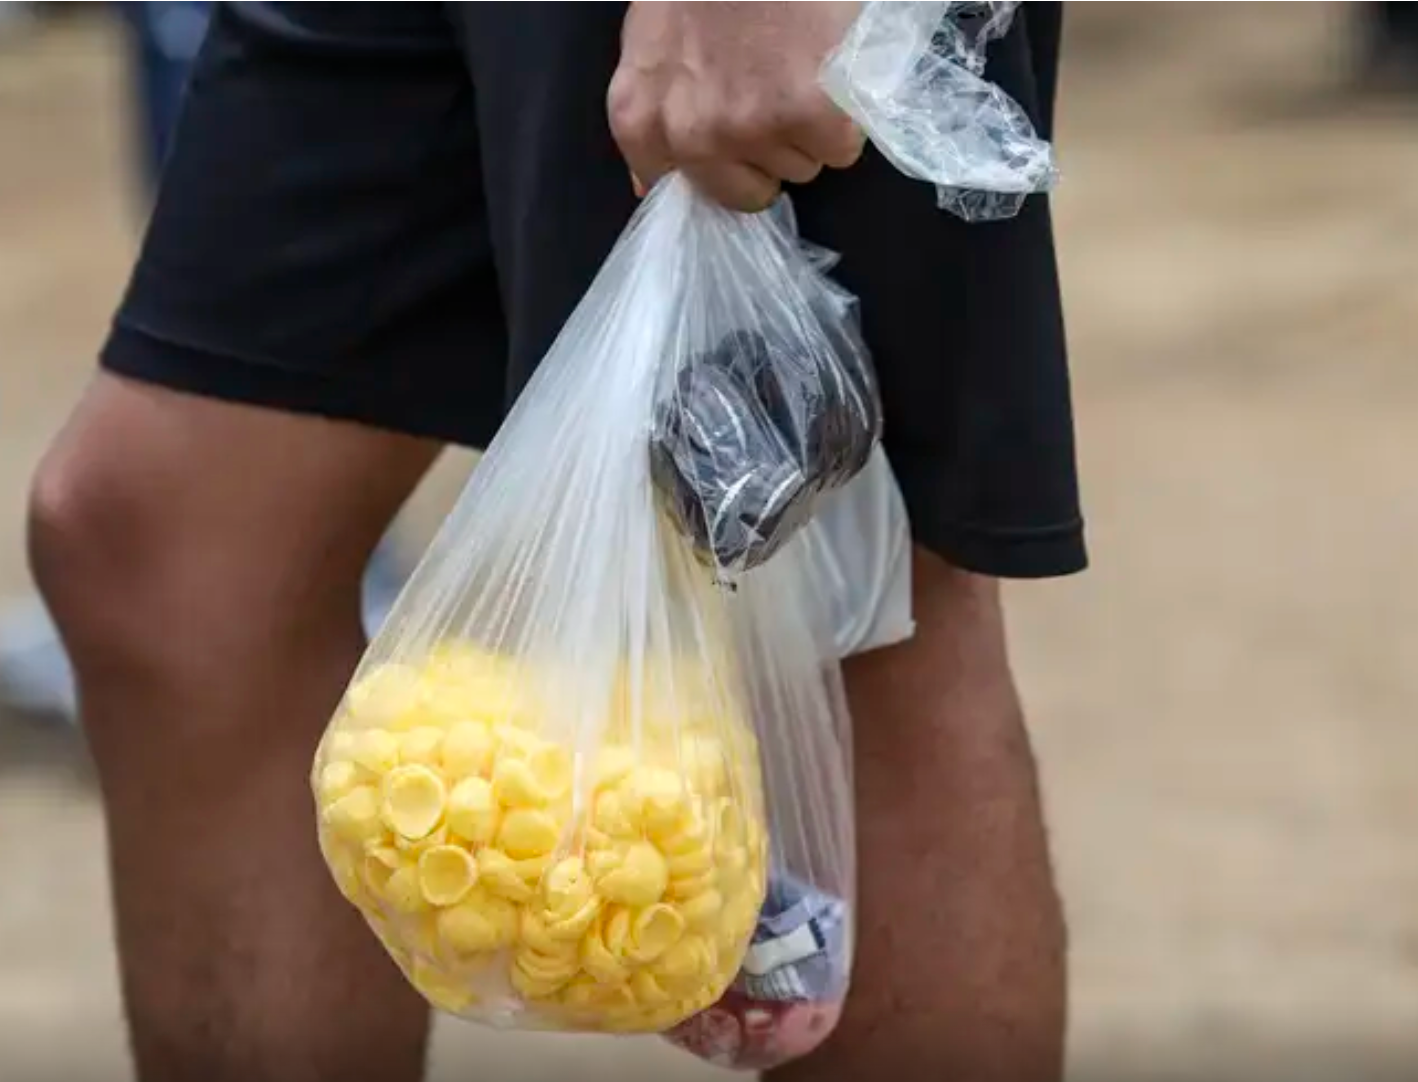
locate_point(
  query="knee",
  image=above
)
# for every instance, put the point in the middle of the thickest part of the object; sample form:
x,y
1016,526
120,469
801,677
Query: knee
x,y
124,555
152,575
93,552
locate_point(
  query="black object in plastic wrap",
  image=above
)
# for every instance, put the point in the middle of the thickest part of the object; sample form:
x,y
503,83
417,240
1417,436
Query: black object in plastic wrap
x,y
752,433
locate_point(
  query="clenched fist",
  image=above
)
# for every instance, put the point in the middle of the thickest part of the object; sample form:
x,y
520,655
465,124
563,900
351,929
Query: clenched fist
x,y
728,94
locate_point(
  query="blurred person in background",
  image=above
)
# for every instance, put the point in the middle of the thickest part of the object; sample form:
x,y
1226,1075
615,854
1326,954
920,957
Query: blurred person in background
x,y
14,15
162,40
374,222
1391,60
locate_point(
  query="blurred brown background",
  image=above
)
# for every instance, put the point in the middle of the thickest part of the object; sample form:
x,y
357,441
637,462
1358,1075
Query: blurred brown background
x,y
1226,705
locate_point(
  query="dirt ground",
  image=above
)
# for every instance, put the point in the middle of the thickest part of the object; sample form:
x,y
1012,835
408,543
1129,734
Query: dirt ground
x,y
1224,706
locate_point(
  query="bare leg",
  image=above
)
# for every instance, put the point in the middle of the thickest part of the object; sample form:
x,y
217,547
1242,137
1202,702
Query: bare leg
x,y
203,563
960,963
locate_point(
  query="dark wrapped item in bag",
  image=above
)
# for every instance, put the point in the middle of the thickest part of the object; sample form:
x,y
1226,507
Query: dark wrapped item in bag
x,y
754,432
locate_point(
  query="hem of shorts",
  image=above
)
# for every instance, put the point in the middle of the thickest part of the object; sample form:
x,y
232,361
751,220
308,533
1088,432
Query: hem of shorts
x,y
1043,553
133,353
137,354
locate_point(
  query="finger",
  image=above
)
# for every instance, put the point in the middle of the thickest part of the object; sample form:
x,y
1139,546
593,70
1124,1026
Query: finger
x,y
638,128
827,135
786,163
733,185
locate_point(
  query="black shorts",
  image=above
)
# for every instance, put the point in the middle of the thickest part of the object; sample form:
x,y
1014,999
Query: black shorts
x,y
384,212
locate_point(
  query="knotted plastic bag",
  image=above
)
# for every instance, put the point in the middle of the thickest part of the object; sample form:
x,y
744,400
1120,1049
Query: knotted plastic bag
x,y
912,75
566,768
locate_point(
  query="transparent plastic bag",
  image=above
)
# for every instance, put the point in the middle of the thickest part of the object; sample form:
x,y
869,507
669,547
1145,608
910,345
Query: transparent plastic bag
x,y
912,76
580,754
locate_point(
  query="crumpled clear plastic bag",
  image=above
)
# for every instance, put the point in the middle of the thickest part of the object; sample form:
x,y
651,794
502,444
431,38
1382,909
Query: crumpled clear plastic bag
x,y
912,76
579,755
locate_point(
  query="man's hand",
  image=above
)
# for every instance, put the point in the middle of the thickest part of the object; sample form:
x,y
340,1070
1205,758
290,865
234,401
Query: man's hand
x,y
727,93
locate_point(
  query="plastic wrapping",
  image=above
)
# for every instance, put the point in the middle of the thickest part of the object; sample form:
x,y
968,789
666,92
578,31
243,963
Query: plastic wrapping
x,y
576,760
912,76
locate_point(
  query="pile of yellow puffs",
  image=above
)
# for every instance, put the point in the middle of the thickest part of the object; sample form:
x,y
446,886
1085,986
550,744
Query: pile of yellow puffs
x,y
520,877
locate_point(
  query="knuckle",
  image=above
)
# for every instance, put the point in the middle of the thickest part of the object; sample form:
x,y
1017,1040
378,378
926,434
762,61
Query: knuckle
x,y
629,109
843,143
831,136
747,124
692,139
